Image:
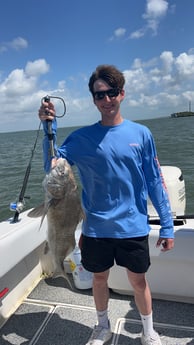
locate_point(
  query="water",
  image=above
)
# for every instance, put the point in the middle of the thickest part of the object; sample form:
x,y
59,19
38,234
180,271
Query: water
x,y
174,141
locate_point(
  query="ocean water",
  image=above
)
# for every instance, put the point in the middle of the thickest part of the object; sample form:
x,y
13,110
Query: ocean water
x,y
174,141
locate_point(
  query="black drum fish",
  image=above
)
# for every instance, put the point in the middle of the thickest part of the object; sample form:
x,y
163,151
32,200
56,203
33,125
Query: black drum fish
x,y
62,206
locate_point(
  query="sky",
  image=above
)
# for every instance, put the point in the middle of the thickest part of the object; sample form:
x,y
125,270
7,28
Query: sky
x,y
52,48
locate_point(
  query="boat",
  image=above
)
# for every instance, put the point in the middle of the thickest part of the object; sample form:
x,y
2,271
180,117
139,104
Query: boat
x,y
36,309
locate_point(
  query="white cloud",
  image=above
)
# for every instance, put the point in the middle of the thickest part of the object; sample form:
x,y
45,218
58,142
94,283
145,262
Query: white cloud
x,y
22,81
17,83
138,34
136,80
159,86
118,33
167,61
20,95
185,65
16,44
155,11
36,67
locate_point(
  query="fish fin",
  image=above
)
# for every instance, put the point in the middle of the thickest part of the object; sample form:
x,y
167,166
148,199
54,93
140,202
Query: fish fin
x,y
45,210
42,220
46,248
37,211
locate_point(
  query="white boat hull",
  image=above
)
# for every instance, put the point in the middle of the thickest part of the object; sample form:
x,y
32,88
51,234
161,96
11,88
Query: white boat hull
x,y
171,274
22,261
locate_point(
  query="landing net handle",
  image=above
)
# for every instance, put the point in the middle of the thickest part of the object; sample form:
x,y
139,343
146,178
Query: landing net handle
x,y
50,132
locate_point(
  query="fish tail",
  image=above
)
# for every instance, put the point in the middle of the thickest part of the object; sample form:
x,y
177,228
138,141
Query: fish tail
x,y
67,279
64,275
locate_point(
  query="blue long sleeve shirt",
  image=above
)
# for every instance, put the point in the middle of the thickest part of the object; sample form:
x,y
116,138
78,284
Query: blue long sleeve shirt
x,y
118,169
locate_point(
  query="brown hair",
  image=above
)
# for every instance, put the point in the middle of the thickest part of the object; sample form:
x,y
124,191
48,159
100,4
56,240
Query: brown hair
x,y
110,74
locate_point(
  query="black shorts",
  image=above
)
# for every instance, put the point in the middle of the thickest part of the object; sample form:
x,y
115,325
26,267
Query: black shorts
x,y
99,254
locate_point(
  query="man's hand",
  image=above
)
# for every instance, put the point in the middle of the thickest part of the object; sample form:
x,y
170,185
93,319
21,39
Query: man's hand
x,y
46,111
166,243
53,163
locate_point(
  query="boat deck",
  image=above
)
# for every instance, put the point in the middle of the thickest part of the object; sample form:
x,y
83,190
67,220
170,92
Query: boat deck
x,y
53,314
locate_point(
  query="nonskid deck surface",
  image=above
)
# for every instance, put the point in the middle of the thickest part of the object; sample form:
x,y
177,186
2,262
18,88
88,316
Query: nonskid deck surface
x,y
55,315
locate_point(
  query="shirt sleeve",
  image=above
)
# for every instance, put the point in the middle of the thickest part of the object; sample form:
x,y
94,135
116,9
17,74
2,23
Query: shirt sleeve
x,y
47,157
58,151
157,190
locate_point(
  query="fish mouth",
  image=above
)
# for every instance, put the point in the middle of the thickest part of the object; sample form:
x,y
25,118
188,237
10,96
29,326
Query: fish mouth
x,y
57,180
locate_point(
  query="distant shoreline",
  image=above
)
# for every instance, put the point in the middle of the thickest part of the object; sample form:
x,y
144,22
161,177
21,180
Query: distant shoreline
x,y
182,114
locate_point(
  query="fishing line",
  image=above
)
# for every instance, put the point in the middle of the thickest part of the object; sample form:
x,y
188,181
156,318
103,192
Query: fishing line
x,y
18,206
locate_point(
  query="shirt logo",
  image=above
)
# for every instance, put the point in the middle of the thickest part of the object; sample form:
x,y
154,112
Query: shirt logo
x,y
133,144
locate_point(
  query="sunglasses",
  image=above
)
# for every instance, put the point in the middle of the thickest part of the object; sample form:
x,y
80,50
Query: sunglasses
x,y
99,95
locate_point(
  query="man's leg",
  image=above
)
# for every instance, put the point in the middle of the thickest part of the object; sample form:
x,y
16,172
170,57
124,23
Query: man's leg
x,y
143,301
142,293
101,333
100,290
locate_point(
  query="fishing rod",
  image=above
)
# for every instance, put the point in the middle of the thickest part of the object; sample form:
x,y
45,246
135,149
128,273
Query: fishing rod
x,y
18,206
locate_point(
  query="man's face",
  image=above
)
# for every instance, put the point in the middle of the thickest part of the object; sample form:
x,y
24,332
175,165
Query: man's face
x,y
106,98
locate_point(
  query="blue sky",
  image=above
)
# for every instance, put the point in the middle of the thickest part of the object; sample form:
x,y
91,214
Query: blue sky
x,y
53,47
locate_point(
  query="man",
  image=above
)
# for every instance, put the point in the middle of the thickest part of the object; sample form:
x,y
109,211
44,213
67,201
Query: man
x,y
118,167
